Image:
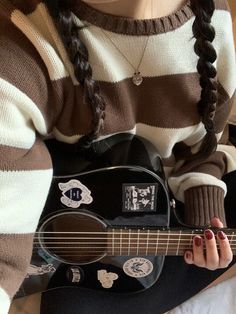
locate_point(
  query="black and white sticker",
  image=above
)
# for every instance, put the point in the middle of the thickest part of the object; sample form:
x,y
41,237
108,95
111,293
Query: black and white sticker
x,y
74,194
138,267
139,197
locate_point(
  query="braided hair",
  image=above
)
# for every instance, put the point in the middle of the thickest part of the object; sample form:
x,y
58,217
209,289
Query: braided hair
x,y
78,55
204,34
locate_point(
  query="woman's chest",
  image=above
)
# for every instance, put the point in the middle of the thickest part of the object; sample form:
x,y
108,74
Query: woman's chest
x,y
167,96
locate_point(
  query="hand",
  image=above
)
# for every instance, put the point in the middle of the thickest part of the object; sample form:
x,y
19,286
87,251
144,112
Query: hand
x,y
211,259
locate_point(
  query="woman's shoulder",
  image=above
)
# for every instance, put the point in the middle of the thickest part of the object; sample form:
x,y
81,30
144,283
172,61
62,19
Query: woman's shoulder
x,y
28,36
9,7
222,5
28,58
20,26
18,52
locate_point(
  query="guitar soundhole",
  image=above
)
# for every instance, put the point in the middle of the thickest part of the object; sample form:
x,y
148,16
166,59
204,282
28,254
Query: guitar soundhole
x,y
74,238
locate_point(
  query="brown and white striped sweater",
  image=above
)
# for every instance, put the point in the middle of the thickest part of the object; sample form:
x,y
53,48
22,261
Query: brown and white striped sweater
x,y
40,97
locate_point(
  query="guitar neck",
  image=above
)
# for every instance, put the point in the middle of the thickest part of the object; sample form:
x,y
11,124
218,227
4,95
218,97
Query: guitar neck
x,y
156,242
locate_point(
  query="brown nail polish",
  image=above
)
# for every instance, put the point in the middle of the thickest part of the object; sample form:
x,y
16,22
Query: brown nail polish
x,y
208,234
221,235
198,241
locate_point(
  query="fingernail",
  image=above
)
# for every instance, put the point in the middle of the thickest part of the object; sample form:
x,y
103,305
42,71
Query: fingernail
x,y
221,235
188,255
208,234
198,241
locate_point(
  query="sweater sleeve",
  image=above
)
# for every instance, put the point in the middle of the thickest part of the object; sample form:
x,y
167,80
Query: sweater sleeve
x,y
199,184
25,164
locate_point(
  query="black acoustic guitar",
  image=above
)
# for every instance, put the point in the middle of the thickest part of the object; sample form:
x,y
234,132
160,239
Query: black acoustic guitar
x,y
106,223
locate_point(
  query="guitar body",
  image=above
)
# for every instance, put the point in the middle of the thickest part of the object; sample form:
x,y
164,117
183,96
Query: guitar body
x,y
117,183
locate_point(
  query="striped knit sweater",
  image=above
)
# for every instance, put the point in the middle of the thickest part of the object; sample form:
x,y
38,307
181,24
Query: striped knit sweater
x,y
40,97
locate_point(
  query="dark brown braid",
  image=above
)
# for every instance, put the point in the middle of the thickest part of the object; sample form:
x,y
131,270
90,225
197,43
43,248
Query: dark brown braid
x,y
78,54
204,33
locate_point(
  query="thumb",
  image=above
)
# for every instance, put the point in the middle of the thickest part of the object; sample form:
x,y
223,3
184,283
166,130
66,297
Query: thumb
x,y
216,222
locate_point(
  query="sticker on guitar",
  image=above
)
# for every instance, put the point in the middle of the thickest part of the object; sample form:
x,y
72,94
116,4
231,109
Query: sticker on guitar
x,y
138,267
139,197
75,193
106,279
34,270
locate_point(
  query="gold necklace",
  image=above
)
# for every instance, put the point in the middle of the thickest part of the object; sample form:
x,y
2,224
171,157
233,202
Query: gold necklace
x,y
137,77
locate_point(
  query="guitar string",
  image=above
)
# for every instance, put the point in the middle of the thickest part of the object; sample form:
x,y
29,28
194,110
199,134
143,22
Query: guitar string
x,y
124,247
144,237
180,252
124,233
117,241
134,245
98,249
123,243
160,250
121,249
173,241
172,253
94,255
163,252
137,231
117,248
123,253
118,238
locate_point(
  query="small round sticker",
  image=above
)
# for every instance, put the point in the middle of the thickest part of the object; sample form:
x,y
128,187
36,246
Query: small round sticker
x,y
138,267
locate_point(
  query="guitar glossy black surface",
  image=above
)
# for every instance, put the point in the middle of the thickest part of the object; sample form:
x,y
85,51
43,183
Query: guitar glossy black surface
x,y
109,170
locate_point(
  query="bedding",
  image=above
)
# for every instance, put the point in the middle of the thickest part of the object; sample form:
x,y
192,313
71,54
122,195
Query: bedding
x,y
220,299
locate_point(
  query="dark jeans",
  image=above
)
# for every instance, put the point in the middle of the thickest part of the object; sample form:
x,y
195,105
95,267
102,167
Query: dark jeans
x,y
177,283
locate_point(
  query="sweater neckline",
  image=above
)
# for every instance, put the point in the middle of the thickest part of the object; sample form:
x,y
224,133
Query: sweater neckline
x,y
129,26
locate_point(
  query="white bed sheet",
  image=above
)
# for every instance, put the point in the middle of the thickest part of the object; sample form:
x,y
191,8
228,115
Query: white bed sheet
x,y
220,299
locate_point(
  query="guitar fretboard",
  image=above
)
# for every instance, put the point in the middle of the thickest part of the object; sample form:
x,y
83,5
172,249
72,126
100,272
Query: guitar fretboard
x,y
156,242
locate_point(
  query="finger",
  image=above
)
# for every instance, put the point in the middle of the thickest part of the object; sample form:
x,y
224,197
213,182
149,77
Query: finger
x,y
198,252
216,222
188,257
212,256
226,254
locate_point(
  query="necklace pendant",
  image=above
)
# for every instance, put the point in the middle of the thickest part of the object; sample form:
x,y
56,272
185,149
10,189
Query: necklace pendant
x,y
137,78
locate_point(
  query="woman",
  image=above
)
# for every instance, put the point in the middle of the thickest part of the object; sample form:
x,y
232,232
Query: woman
x,y
169,79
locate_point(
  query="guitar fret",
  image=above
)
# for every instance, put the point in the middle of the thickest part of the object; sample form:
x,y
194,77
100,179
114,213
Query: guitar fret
x,y
157,239
231,239
177,251
191,239
129,243
120,241
113,242
138,242
147,242
167,244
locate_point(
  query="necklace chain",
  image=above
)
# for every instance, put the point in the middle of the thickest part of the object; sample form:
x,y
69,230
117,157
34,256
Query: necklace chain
x,y
135,68
137,77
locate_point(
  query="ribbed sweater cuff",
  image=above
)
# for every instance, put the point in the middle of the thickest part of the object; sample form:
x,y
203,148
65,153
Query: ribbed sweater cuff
x,y
203,203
